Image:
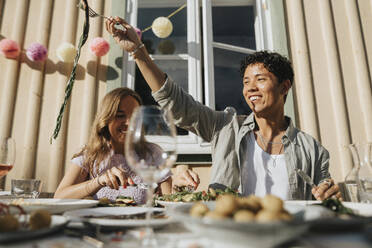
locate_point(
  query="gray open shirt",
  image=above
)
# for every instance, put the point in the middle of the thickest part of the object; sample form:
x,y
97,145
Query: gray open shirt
x,y
225,130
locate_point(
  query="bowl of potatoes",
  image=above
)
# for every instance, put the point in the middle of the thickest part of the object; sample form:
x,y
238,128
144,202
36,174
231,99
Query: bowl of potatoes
x,y
242,221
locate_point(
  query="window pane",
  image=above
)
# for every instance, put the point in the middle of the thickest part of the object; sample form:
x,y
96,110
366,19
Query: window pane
x,y
234,25
176,69
176,43
228,82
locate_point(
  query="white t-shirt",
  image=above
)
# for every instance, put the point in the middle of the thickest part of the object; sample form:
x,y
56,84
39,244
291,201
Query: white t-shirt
x,y
263,173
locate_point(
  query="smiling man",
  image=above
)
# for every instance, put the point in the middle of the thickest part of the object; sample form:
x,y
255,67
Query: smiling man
x,y
257,154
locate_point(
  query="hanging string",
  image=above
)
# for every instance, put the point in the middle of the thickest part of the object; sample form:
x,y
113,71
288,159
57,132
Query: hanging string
x,y
169,16
71,80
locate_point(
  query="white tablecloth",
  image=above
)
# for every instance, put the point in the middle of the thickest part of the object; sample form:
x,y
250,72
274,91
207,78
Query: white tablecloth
x,y
175,235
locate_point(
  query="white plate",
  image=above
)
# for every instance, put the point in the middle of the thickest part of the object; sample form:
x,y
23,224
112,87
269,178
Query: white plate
x,y
54,206
323,220
117,211
169,204
236,234
364,209
58,222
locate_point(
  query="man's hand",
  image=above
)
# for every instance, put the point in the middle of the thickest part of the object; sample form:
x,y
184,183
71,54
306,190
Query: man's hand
x,y
183,176
326,189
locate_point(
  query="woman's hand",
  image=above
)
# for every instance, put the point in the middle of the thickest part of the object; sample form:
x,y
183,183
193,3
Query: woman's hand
x,y
326,189
127,37
114,177
183,176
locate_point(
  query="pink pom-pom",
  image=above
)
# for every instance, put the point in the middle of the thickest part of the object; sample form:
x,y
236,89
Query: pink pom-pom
x,y
9,48
99,46
36,52
139,32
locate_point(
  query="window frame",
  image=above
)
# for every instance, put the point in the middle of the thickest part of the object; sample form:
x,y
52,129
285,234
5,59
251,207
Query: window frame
x,y
269,14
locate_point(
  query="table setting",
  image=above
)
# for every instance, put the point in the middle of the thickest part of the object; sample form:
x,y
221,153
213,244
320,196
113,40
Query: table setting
x,y
216,218
82,225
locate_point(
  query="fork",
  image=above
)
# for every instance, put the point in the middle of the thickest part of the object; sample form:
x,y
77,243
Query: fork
x,y
91,12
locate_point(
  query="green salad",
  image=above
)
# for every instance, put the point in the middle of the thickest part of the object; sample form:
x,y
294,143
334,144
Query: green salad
x,y
186,196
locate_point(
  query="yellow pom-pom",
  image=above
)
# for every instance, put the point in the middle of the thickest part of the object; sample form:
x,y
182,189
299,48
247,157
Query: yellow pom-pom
x,y
66,52
162,27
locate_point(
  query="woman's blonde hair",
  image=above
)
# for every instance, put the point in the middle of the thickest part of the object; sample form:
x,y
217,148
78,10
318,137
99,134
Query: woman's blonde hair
x,y
99,146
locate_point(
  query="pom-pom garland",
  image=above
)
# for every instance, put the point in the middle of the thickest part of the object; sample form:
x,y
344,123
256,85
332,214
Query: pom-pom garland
x,y
36,52
9,48
162,27
99,46
66,52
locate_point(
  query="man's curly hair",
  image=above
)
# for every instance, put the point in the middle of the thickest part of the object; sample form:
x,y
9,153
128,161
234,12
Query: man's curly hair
x,y
275,63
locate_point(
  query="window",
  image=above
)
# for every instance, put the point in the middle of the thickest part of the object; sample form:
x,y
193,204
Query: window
x,y
203,53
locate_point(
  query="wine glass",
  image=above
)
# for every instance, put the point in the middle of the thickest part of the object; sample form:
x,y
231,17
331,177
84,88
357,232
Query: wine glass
x,y
7,155
150,149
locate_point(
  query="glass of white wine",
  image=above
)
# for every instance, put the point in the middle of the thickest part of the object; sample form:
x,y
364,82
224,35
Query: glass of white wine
x,y
7,155
150,150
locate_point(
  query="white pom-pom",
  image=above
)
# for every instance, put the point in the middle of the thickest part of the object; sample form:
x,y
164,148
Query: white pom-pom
x,y
66,52
162,27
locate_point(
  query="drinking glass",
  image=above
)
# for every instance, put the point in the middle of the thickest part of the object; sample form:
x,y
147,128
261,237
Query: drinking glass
x,y
362,160
26,188
7,155
150,149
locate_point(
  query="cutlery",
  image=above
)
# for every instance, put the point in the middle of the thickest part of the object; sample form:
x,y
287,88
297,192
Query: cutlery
x,y
305,177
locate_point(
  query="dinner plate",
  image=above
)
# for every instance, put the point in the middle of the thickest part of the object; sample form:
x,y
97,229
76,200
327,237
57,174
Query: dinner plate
x,y
58,223
322,219
235,234
170,204
54,206
116,211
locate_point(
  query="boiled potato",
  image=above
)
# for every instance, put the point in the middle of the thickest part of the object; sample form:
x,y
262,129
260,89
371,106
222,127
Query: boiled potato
x,y
226,204
214,215
244,216
272,203
267,216
198,209
252,203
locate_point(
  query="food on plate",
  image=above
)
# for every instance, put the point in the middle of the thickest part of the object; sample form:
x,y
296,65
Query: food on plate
x,y
8,223
121,201
244,216
272,203
226,205
11,222
243,209
336,206
40,219
187,196
198,209
252,203
215,215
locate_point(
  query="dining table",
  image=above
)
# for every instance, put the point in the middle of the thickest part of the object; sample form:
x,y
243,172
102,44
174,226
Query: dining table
x,y
176,234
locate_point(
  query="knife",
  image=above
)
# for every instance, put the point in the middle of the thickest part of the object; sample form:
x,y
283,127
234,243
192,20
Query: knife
x,y
305,177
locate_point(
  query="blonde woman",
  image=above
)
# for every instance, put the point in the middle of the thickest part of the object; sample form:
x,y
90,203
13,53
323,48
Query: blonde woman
x,y
100,169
